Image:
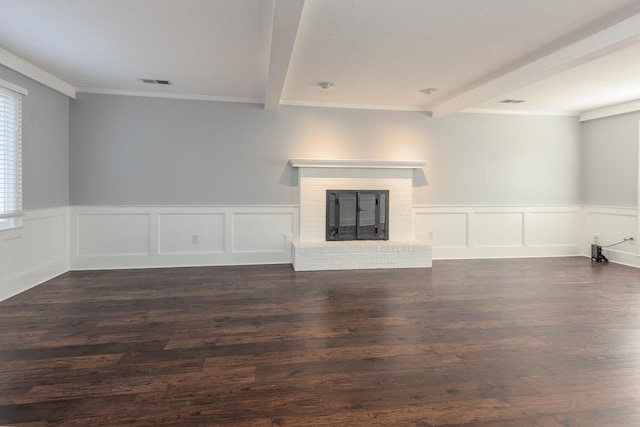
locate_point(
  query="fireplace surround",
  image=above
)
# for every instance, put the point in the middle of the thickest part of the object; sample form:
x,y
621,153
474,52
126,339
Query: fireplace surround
x,y
312,251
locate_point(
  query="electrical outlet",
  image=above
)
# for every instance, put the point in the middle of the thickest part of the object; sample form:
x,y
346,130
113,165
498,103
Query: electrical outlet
x,y
430,235
194,239
596,238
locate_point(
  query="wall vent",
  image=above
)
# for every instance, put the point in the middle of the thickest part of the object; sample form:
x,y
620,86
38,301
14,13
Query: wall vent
x,y
156,82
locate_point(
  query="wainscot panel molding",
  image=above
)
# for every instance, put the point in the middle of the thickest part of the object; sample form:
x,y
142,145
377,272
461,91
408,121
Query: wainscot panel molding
x,y
109,237
611,225
459,232
35,252
54,240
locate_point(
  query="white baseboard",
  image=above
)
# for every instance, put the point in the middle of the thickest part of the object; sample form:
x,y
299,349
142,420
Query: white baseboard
x,y
35,252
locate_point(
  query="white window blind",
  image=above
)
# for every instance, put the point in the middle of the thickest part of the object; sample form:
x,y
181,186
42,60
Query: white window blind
x,y
10,157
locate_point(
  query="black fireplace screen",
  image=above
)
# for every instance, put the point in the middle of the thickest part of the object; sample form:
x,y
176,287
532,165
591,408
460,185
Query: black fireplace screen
x,y
358,215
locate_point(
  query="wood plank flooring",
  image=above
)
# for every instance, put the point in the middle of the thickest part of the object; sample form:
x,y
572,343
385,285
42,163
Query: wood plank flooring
x,y
536,342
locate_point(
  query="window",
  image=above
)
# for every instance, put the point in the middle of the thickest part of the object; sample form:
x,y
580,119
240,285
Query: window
x,y
10,154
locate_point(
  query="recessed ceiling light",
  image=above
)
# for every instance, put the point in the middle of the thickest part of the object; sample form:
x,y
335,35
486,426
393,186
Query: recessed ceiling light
x,y
156,81
325,85
512,101
429,91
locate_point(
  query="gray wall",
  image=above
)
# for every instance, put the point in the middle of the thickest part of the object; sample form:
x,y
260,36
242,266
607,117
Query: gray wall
x,y
149,151
45,143
479,159
610,161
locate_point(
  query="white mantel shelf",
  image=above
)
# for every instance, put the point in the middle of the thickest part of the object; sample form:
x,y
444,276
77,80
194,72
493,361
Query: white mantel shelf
x,y
355,164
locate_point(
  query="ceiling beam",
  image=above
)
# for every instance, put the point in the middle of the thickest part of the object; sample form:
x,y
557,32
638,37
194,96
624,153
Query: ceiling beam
x,y
595,45
26,68
286,19
612,110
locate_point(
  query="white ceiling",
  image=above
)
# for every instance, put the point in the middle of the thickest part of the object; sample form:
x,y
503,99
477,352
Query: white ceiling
x,y
561,56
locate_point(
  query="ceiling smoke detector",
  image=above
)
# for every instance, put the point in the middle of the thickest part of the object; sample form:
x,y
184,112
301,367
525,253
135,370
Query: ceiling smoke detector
x,y
156,81
512,101
429,91
324,85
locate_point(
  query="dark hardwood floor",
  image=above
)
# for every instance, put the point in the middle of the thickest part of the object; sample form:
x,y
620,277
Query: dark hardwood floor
x,y
537,342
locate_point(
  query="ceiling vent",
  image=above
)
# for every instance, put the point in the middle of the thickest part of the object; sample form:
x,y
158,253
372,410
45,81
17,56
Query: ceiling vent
x,y
512,101
429,91
156,82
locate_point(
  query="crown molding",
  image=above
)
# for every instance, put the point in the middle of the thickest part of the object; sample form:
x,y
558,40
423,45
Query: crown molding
x,y
297,103
185,96
520,112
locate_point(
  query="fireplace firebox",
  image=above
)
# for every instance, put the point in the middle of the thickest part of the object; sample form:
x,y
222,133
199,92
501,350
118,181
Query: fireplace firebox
x,y
357,214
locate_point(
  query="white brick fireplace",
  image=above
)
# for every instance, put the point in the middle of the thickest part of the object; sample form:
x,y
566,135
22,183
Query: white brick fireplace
x,y
315,177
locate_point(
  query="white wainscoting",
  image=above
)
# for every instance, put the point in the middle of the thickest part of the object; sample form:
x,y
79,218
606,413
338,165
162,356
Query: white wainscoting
x,y
458,232
52,241
35,252
106,237
612,224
